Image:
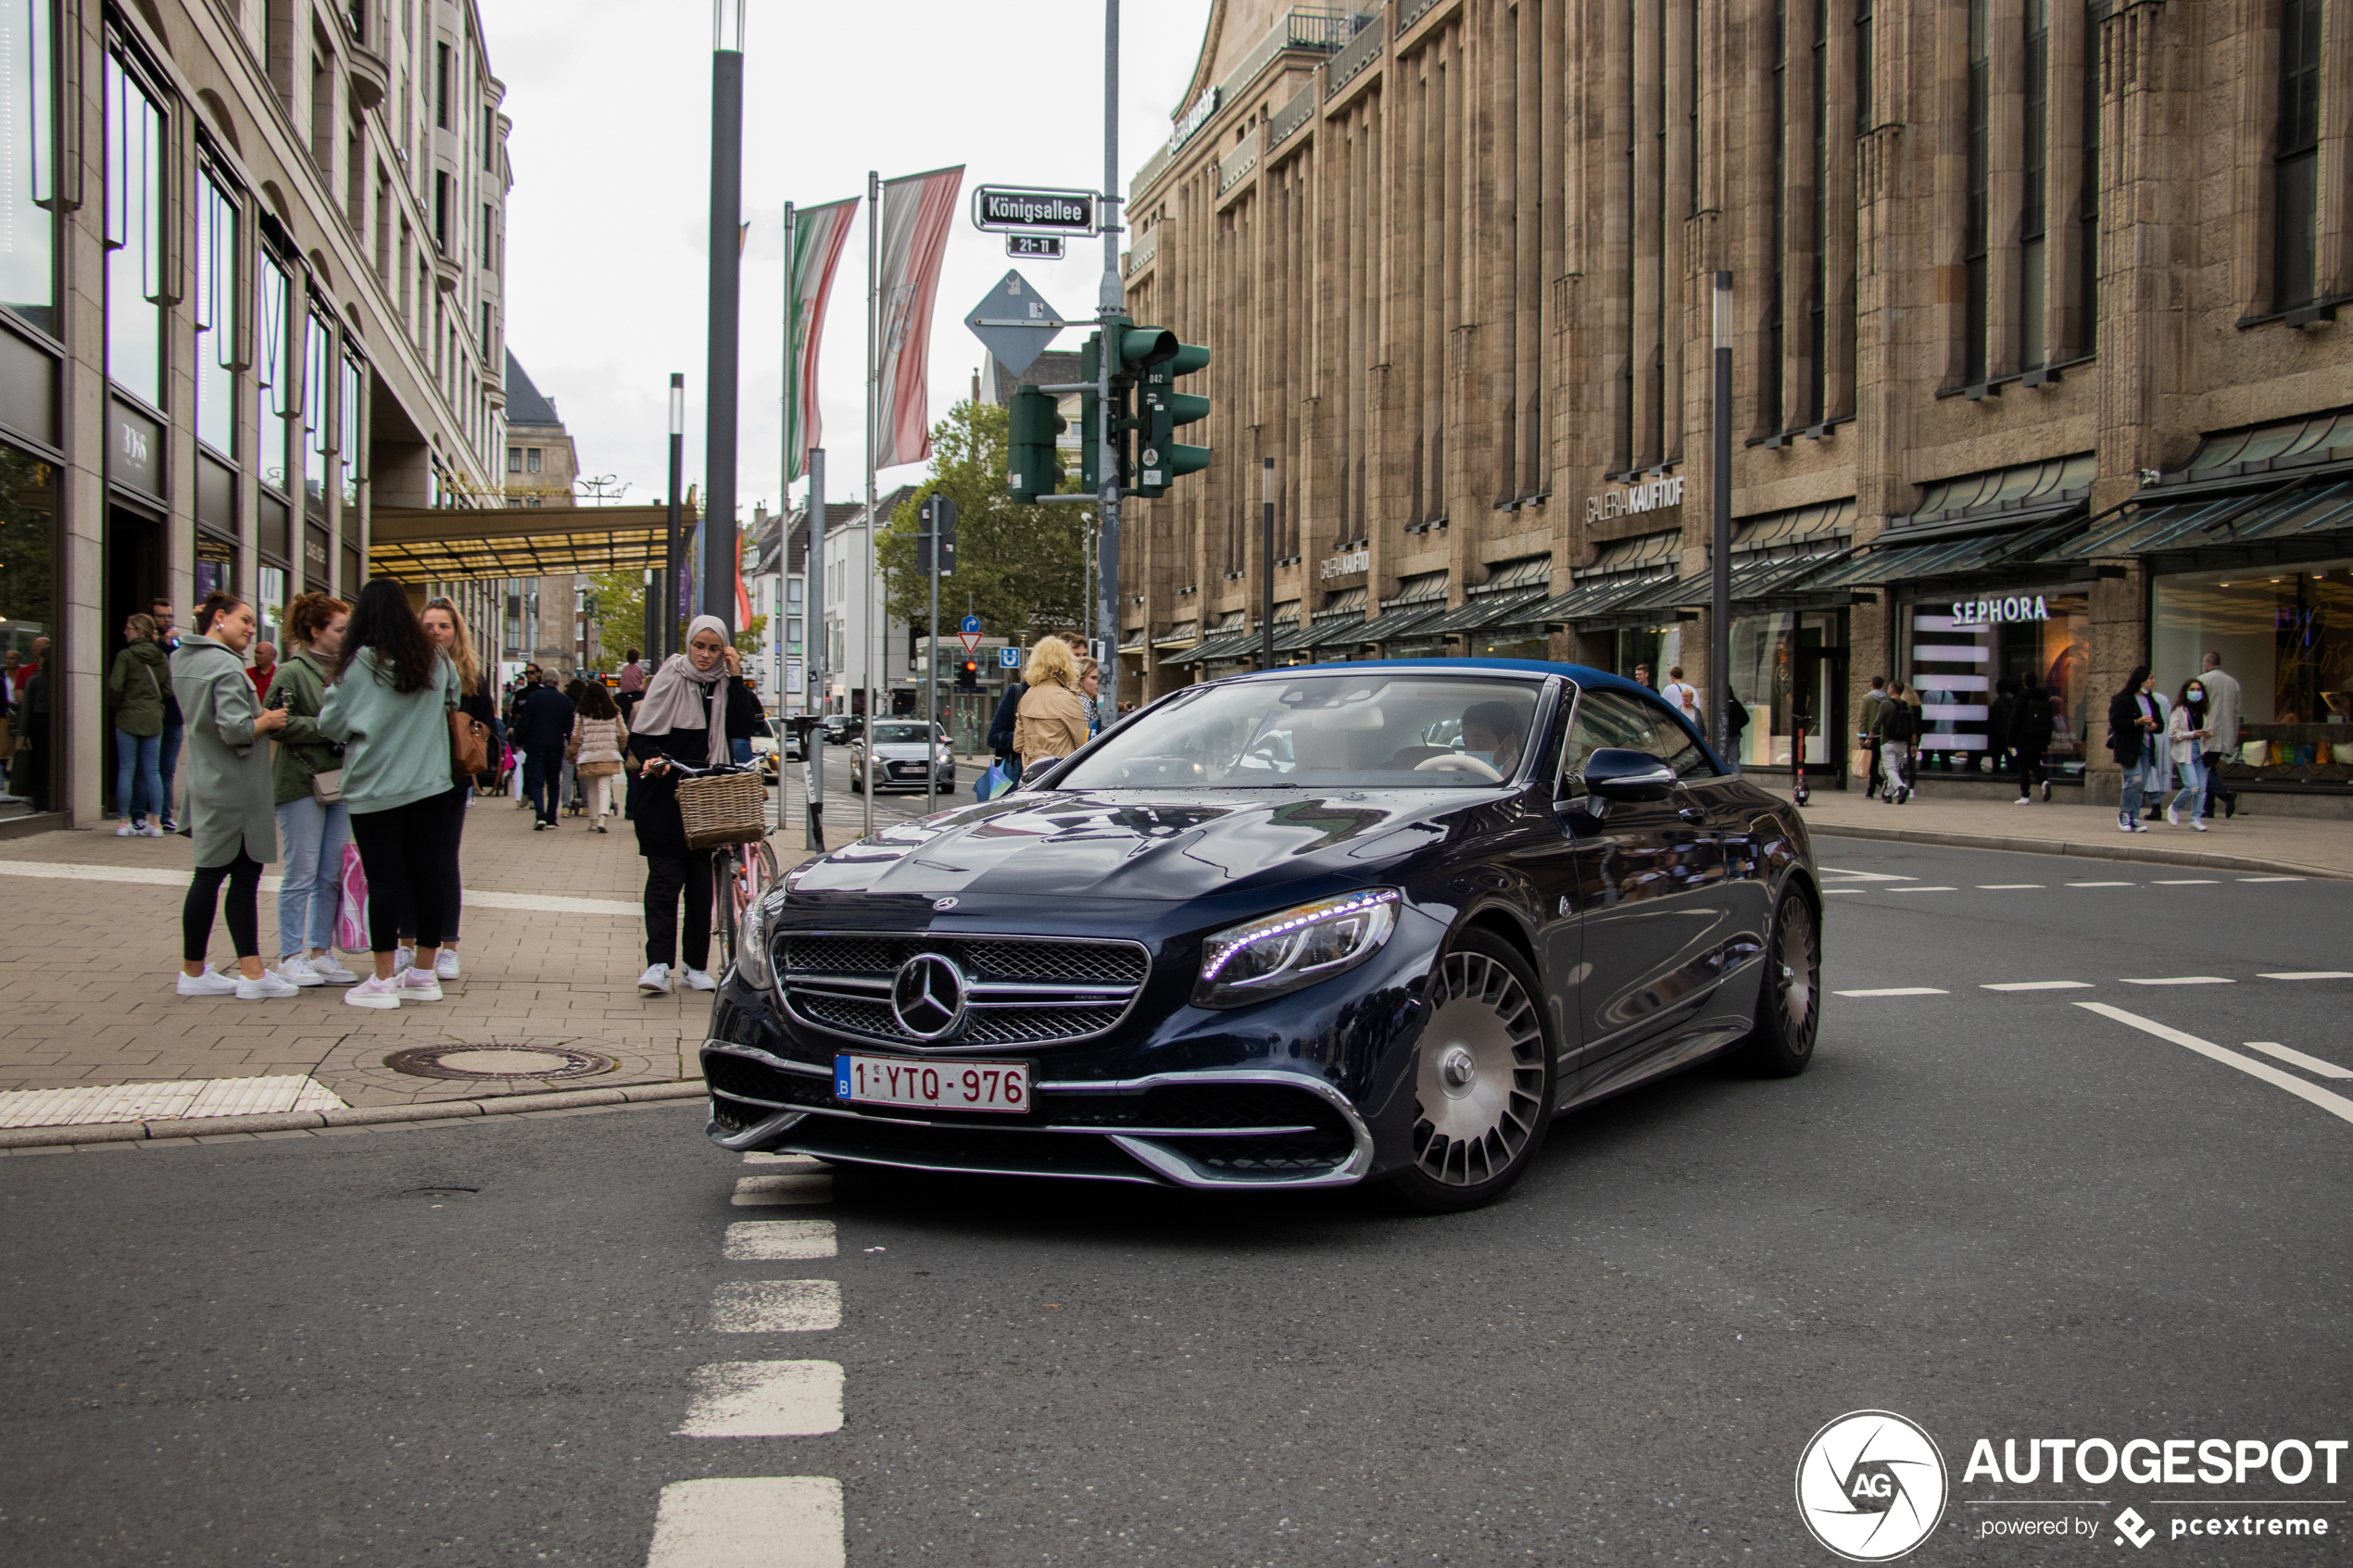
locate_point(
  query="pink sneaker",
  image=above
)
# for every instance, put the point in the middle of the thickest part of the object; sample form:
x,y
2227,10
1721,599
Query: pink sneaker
x,y
419,985
374,993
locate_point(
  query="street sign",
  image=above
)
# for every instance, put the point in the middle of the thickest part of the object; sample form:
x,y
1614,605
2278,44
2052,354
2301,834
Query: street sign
x,y
1014,322
1037,248
1002,208
1009,659
970,641
970,627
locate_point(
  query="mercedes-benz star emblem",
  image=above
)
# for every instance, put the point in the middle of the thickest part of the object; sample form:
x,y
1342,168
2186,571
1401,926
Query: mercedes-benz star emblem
x,y
943,905
928,996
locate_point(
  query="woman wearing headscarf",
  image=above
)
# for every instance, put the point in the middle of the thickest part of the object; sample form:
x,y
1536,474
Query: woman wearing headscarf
x,y
232,805
695,705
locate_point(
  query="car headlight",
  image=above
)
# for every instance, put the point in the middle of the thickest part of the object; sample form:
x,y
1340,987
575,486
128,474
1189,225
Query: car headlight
x,y
751,943
1286,952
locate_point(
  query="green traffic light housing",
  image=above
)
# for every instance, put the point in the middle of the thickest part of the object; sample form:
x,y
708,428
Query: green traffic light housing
x,y
1161,457
1033,467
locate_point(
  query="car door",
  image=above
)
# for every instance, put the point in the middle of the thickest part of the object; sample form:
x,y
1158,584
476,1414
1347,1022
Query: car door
x,y
1649,892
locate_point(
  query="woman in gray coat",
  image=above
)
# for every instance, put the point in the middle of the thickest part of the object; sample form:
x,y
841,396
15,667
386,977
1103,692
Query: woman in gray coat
x,y
232,801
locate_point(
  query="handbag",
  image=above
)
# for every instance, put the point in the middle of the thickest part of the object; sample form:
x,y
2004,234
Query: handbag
x,y
723,808
469,745
351,908
326,786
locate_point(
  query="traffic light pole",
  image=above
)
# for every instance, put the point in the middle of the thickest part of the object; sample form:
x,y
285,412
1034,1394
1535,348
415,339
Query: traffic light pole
x,y
931,669
1112,304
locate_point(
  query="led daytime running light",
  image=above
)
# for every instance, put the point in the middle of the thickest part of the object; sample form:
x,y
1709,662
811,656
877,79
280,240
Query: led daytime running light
x,y
1311,914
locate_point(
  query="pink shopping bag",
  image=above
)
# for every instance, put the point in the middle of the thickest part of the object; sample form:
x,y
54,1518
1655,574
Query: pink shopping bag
x,y
351,906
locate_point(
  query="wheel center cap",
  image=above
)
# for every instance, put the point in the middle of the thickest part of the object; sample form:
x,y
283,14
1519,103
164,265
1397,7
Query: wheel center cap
x,y
1456,1068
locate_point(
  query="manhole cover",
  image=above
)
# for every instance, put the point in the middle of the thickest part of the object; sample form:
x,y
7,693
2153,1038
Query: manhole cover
x,y
493,1059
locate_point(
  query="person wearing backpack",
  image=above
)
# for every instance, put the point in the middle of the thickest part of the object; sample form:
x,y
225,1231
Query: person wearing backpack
x,y
135,691
1899,726
2031,733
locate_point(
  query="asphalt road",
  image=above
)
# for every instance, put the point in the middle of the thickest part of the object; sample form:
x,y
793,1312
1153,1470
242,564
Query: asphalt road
x,y
1997,1213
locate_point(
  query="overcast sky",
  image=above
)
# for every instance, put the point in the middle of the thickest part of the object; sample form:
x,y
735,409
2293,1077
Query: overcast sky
x,y
606,223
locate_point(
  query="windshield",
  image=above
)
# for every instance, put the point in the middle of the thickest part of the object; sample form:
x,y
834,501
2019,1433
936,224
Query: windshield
x,y
900,734
1379,730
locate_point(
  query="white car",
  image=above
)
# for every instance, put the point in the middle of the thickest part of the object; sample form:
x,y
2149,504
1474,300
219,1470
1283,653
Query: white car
x,y
898,755
765,748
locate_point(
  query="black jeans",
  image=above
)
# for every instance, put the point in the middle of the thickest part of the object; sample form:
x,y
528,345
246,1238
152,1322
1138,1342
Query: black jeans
x,y
666,876
455,801
543,768
244,876
2029,770
402,851
2216,790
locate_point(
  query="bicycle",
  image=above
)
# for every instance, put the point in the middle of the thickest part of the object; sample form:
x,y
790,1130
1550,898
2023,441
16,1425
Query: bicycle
x,y
739,874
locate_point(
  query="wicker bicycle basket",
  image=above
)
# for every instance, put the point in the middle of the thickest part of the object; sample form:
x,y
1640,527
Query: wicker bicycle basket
x,y
723,808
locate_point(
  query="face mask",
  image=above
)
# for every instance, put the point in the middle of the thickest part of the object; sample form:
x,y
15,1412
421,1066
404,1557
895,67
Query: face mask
x,y
1486,757
2197,695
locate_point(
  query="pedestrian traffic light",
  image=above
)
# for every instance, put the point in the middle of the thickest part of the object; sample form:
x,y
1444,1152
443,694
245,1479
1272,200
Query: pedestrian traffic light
x,y
1163,410
1032,466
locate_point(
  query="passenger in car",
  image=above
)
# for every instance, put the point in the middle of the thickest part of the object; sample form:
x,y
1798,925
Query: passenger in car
x,y
1492,732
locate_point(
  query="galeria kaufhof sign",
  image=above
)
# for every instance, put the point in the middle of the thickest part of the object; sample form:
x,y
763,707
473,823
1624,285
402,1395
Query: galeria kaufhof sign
x,y
1646,497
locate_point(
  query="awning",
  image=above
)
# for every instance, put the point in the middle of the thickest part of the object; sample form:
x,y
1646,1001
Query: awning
x,y
1183,635
2009,552
1399,621
2292,520
1486,610
458,544
1597,596
1217,646
2006,497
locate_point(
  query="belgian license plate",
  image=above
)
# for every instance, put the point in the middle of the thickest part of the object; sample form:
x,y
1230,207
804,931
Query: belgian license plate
x,y
937,1086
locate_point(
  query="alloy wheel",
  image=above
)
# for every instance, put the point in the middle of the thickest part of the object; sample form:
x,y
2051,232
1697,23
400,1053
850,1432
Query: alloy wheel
x,y
1482,1078
1796,971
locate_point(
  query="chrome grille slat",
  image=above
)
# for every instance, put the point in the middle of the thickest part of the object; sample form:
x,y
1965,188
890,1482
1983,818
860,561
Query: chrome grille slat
x,y
1021,990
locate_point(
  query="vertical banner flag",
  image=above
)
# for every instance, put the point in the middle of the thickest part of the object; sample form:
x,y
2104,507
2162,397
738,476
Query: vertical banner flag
x,y
818,236
917,212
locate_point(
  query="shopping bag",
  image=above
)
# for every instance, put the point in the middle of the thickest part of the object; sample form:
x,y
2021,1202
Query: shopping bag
x,y
992,783
351,905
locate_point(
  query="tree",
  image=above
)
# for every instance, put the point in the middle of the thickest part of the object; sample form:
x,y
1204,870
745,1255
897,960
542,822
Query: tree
x,y
621,613
1020,568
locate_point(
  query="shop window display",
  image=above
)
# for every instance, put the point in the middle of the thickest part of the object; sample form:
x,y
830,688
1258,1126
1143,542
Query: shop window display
x,y
2287,637
1787,667
29,743
1959,652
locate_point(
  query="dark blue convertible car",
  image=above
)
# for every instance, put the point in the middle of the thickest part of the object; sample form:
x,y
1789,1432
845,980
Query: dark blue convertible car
x,y
1377,922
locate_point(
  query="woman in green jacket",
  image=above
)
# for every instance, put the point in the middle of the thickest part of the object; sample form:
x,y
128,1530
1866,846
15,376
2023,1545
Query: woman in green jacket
x,y
314,833
134,689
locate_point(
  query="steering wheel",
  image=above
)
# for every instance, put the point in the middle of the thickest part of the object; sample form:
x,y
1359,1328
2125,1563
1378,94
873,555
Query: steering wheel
x,y
1460,763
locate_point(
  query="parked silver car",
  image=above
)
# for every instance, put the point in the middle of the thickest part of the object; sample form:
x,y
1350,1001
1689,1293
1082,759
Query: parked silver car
x,y
898,755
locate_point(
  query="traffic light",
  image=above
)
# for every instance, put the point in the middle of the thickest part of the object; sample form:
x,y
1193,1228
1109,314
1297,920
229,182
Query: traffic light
x,y
968,675
1163,410
1032,466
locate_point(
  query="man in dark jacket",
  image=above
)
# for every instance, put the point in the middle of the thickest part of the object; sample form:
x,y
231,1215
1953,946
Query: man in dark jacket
x,y
542,727
1000,725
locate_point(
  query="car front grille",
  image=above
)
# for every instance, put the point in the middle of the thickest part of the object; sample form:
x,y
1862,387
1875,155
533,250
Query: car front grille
x,y
1020,990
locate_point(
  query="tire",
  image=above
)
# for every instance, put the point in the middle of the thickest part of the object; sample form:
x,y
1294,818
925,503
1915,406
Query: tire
x,y
1789,997
1483,1079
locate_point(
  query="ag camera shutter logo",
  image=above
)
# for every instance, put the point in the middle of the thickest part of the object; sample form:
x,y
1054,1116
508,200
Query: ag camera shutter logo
x,y
1872,1486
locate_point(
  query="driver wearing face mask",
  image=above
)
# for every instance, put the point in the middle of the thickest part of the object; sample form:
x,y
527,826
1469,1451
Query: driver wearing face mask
x,y
1492,733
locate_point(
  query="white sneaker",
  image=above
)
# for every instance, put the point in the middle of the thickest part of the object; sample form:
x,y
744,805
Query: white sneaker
x,y
211,982
2197,823
417,985
152,830
403,961
329,967
129,829
655,982
296,970
269,984
2023,800
2173,815
374,993
699,981
445,964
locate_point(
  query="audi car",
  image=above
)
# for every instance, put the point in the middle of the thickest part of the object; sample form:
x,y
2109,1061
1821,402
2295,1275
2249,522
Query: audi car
x,y
899,755
1335,924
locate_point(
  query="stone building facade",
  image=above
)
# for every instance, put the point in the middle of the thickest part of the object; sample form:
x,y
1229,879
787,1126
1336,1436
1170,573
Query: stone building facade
x,y
2020,290
252,256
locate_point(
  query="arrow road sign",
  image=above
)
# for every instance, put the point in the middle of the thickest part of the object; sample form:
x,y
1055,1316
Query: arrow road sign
x,y
1014,322
970,627
1001,208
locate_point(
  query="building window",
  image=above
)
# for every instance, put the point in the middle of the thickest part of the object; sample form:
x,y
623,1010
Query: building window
x,y
315,429
2033,294
27,164
273,370
485,236
1863,67
530,459
441,210
347,409
489,151
1775,365
486,332
2087,245
136,165
1818,402
514,459
218,292
441,87
2297,165
1976,291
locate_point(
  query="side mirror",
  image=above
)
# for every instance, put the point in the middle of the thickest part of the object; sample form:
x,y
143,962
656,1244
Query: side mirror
x,y
1612,773
1036,770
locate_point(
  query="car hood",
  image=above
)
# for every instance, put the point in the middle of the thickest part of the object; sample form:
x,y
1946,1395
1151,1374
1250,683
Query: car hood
x,y
1138,845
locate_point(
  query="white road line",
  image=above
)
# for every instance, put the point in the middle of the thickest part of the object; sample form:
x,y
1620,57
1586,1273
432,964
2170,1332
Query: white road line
x,y
2006,886
1923,890
1841,890
1833,870
2336,1105
752,1192
797,1162
90,1105
2101,885
766,1241
2180,980
2039,985
2186,882
776,1306
2271,879
764,1399
758,1521
2275,975
1899,991
2297,1058
156,876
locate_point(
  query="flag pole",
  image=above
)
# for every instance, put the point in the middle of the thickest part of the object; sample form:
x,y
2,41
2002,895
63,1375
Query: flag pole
x,y
873,633
776,622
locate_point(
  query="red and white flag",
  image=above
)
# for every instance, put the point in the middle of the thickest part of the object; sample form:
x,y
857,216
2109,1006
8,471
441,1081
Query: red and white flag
x,y
917,212
818,236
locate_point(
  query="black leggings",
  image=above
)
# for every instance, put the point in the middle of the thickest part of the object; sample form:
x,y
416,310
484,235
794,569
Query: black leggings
x,y
244,877
402,851
455,802
666,876
2029,769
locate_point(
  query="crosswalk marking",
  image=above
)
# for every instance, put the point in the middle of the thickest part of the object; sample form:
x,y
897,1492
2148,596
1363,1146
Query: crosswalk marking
x,y
764,1399
2186,882
2311,974
2006,886
2180,980
2336,1105
2040,985
1923,890
93,1105
752,1192
768,1241
2101,885
2297,1058
776,1306
2271,879
756,1522
1899,991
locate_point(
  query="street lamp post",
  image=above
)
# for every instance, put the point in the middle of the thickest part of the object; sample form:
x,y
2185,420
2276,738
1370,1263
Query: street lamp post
x,y
1719,615
719,544
671,587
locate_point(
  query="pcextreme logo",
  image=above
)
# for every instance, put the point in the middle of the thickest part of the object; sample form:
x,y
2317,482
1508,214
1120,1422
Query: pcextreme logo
x,y
1872,1486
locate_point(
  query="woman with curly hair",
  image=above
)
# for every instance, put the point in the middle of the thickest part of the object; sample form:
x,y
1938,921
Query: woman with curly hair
x,y
390,707
314,830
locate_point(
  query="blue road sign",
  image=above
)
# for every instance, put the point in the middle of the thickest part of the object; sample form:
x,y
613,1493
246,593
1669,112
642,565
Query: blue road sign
x,y
1009,659
972,624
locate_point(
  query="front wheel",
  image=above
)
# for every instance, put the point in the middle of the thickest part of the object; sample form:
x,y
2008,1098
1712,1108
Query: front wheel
x,y
1483,1080
1789,1000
